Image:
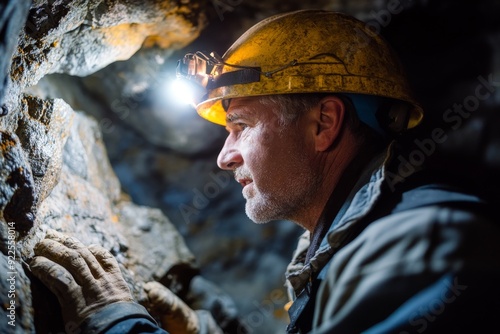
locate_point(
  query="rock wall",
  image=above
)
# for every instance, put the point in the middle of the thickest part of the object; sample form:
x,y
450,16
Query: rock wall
x,y
55,171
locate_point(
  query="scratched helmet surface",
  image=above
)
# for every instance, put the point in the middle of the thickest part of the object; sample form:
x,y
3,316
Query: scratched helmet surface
x,y
310,51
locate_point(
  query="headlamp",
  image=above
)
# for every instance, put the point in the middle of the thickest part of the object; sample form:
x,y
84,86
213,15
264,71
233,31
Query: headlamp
x,y
197,67
204,72
193,74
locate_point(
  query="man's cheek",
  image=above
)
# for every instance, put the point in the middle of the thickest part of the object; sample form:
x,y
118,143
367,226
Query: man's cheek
x,y
272,131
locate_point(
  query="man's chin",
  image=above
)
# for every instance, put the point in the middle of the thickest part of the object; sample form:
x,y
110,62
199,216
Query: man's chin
x,y
256,216
258,221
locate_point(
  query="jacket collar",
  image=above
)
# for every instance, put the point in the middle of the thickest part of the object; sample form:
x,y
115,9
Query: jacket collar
x,y
360,201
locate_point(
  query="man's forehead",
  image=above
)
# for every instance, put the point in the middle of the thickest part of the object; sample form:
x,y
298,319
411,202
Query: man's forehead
x,y
243,102
247,106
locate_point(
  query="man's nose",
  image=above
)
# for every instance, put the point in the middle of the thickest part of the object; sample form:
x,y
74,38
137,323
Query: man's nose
x,y
229,157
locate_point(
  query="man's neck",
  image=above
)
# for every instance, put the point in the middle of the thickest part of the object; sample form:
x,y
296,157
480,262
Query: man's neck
x,y
338,196
336,173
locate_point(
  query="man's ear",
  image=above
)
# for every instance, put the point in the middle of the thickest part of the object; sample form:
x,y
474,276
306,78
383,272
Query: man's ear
x,y
329,122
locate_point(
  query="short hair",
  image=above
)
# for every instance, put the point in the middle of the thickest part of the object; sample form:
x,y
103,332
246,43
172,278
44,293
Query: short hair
x,y
292,106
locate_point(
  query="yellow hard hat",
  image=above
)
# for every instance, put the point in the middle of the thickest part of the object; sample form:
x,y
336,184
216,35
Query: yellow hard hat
x,y
308,51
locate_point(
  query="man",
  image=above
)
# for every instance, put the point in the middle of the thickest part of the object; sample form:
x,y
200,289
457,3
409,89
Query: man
x,y
312,102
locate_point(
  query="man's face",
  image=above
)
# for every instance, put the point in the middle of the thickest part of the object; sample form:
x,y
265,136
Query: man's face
x,y
273,163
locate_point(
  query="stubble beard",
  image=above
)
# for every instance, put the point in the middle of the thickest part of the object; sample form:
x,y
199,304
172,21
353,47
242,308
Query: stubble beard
x,y
286,201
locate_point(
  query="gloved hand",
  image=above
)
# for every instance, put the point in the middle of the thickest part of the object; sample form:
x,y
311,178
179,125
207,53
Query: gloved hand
x,y
84,279
174,314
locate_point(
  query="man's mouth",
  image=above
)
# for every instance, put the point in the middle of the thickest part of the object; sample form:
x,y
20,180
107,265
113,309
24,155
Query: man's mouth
x,y
242,177
244,182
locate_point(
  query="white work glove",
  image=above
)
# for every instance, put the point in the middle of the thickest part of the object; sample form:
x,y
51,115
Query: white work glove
x,y
175,316
84,279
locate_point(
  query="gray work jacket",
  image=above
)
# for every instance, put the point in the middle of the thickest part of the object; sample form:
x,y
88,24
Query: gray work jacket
x,y
428,269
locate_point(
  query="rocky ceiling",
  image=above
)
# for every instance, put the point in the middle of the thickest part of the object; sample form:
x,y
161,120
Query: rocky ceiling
x,y
93,145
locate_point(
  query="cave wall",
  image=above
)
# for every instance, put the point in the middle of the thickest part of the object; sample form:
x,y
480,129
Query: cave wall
x,y
94,146
55,171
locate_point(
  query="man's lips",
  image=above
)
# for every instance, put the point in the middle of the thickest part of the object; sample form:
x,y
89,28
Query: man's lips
x,y
244,182
243,177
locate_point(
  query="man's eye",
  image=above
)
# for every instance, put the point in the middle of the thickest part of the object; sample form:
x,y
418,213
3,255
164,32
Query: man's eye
x,y
241,126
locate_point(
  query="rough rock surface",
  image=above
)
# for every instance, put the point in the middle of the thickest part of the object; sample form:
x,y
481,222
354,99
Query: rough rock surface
x,y
79,37
12,19
55,171
86,202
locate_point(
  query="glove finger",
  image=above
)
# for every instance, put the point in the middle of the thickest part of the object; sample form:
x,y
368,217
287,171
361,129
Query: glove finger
x,y
153,285
68,258
114,278
105,258
73,243
160,298
175,315
56,278
156,289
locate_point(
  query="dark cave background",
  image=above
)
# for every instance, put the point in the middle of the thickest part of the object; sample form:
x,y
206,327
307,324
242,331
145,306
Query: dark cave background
x,y
162,155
